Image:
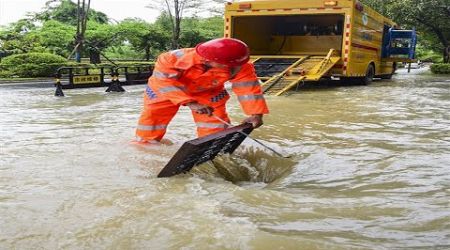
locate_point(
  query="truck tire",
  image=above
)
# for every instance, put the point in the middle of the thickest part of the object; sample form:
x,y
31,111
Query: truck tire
x,y
370,73
389,76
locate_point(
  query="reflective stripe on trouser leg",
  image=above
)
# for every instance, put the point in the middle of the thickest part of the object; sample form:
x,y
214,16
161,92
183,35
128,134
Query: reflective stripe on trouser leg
x,y
208,124
154,120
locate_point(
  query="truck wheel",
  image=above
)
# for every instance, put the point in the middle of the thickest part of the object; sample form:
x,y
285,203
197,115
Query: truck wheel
x,y
370,73
389,76
386,77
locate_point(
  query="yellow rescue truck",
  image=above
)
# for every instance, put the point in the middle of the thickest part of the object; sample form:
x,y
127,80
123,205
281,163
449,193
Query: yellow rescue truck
x,y
294,41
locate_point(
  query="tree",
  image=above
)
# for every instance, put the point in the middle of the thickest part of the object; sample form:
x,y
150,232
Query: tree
x,y
430,17
132,37
175,9
20,37
82,17
66,11
145,38
200,30
98,38
57,37
382,6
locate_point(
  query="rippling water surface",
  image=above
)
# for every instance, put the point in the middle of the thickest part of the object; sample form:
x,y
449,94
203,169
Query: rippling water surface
x,y
370,169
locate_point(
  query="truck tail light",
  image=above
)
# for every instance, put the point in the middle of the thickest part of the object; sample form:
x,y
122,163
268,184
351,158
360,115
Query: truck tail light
x,y
245,6
330,3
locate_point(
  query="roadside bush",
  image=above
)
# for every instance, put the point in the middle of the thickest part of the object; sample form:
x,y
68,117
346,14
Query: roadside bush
x,y
427,55
5,73
32,64
432,58
440,68
46,64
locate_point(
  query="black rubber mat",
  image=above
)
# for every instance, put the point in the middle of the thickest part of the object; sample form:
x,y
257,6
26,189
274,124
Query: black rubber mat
x,y
272,66
205,148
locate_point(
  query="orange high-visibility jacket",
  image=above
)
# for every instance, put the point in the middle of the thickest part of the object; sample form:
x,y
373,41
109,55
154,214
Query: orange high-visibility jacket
x,y
180,77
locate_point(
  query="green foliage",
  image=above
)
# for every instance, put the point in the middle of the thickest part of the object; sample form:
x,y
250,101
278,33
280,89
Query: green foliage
x,y
20,37
57,37
100,35
430,17
149,40
440,68
200,30
131,38
432,57
146,39
122,52
5,73
21,26
32,64
65,11
427,55
164,21
174,11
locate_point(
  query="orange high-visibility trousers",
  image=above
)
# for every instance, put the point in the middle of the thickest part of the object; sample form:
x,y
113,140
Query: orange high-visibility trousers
x,y
155,118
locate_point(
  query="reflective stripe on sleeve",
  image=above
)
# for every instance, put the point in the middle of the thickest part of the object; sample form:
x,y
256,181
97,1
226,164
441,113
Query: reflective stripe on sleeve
x,y
245,84
150,93
177,53
171,89
210,125
250,97
159,74
151,127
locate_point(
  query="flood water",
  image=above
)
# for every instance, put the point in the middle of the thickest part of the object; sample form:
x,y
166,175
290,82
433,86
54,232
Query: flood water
x,y
370,169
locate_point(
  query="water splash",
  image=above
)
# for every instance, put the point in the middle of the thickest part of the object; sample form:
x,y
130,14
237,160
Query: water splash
x,y
249,164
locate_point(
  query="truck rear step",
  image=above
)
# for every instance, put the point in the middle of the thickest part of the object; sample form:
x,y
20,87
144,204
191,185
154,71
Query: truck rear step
x,y
280,74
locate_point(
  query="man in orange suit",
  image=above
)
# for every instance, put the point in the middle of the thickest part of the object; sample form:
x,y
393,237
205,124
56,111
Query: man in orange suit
x,y
195,77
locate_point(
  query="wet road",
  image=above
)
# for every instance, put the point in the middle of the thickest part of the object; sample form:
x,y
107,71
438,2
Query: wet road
x,y
370,170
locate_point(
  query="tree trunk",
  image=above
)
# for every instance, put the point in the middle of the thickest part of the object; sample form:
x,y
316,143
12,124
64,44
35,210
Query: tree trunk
x,y
440,35
445,43
176,30
176,35
447,54
147,53
79,48
94,57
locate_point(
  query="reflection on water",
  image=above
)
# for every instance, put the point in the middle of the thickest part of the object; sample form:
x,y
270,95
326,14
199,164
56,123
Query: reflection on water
x,y
369,169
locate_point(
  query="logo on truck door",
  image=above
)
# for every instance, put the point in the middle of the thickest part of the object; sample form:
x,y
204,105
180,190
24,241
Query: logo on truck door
x,y
365,19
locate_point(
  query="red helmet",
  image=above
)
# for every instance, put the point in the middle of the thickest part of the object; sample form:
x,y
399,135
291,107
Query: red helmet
x,y
229,51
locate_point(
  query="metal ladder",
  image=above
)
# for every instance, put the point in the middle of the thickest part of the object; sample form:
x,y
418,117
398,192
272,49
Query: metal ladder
x,y
302,68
